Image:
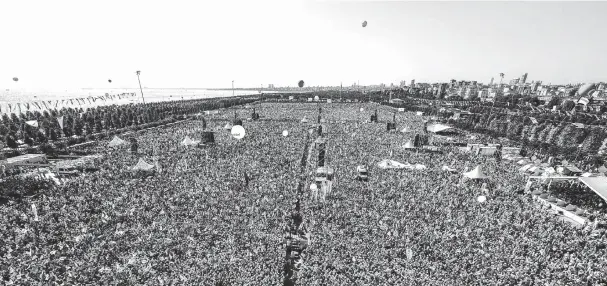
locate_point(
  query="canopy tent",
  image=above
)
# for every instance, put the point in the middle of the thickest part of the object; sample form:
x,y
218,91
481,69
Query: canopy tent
x,y
555,177
391,164
477,173
436,128
486,151
525,168
409,145
24,159
448,169
116,142
228,126
142,166
536,170
189,142
568,170
596,184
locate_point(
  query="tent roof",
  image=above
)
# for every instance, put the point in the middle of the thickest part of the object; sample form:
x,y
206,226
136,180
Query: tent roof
x,y
116,141
409,145
391,164
477,173
573,169
187,141
525,168
142,165
597,184
435,128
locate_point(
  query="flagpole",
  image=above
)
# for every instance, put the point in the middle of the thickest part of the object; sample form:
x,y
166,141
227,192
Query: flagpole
x,y
139,80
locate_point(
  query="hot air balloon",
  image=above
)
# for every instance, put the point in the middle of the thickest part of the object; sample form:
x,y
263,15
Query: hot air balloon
x,y
364,24
109,80
585,89
301,83
15,79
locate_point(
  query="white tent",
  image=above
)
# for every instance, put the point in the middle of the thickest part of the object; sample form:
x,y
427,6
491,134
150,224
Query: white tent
x,y
390,164
448,169
419,167
228,126
142,165
116,142
189,142
477,173
525,168
436,128
409,145
304,120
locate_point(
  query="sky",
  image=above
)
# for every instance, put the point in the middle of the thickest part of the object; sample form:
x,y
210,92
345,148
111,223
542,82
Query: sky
x,y
56,45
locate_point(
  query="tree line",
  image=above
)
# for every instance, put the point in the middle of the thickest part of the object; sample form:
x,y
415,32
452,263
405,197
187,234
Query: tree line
x,y
99,120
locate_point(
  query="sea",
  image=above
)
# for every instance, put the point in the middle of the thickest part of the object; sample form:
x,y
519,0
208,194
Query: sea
x,y
10,98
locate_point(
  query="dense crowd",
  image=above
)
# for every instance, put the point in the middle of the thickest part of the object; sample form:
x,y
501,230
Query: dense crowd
x,y
216,215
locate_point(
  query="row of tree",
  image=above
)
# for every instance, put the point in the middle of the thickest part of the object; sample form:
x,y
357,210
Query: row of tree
x,y
546,136
39,127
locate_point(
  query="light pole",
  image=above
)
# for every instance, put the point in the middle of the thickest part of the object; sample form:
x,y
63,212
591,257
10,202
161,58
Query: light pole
x,y
232,88
142,98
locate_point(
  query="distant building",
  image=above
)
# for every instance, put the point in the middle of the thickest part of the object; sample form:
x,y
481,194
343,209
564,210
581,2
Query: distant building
x,y
523,79
514,81
442,88
412,83
491,83
270,86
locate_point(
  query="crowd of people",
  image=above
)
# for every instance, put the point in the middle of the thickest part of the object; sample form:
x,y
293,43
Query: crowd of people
x,y
216,214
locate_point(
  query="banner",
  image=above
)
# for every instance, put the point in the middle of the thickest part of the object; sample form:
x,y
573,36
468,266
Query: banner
x,y
309,99
60,120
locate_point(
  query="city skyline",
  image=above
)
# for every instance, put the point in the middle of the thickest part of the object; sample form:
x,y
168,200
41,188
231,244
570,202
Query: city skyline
x,y
68,45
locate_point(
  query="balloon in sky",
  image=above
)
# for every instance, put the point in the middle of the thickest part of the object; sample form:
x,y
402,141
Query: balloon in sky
x,y
364,24
15,79
301,83
238,132
109,80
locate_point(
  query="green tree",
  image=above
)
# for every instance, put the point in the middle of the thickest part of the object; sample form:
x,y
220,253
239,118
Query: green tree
x,y
568,105
11,141
543,135
592,142
535,130
553,134
566,139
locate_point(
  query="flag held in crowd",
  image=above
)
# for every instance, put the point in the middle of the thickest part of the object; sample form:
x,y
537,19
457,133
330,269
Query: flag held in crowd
x,y
33,123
